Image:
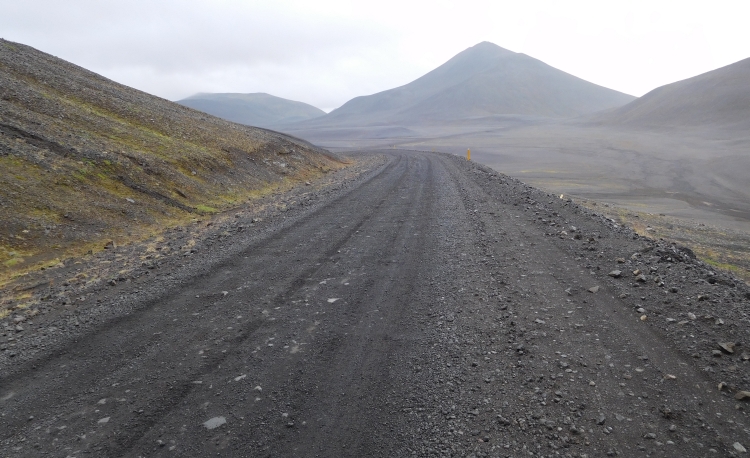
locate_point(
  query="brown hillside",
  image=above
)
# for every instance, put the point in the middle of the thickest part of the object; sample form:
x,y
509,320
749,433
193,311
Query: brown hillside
x,y
85,160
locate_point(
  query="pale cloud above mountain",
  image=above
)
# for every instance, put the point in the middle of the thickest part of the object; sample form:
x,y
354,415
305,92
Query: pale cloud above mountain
x,y
326,52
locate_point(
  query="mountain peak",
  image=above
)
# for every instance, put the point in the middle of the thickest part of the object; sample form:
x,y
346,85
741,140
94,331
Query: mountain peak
x,y
482,53
481,81
487,46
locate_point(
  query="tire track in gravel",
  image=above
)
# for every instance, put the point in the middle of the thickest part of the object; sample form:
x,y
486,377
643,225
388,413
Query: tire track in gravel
x,y
422,313
109,354
118,351
339,405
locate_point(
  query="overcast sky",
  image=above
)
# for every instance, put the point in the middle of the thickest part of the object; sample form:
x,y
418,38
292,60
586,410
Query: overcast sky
x,y
324,52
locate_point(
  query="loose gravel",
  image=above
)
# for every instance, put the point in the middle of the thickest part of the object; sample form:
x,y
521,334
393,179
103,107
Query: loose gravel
x,y
423,306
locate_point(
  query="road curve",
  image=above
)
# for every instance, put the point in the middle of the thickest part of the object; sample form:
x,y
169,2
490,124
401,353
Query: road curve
x,y
425,312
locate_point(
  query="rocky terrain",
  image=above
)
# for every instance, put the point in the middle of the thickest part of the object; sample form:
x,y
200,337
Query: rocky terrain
x,y
86,161
414,305
174,284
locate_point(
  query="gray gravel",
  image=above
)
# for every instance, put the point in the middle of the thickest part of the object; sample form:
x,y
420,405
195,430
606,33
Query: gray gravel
x,y
428,307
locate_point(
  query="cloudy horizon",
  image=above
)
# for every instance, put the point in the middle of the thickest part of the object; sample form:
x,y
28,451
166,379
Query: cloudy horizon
x,y
327,52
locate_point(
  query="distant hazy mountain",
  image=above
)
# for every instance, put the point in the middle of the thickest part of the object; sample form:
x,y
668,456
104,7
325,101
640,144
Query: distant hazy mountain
x,y
719,98
484,80
256,109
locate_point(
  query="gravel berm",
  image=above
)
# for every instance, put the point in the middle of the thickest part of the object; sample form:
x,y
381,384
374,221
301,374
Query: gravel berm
x,y
431,307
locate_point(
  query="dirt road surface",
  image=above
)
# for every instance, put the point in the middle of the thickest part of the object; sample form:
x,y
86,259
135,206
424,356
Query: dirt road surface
x,y
434,307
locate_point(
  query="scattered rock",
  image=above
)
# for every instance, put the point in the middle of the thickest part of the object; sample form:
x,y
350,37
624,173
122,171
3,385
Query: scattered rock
x,y
109,245
103,420
215,422
615,274
594,289
737,446
742,395
727,347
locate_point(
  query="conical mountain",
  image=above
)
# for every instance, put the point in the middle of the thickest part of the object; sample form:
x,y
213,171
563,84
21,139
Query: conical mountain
x,y
484,80
719,98
256,109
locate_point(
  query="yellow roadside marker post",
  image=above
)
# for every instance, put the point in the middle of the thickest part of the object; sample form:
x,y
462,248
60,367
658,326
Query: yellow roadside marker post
x,y
468,154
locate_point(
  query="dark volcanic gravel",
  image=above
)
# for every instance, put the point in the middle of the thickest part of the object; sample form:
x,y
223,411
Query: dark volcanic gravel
x,y
428,307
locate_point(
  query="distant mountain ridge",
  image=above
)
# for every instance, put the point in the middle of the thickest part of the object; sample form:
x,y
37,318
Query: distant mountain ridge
x,y
255,109
719,98
484,80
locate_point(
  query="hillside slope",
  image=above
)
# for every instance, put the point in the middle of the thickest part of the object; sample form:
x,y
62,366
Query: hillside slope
x,y
256,109
719,98
84,160
483,80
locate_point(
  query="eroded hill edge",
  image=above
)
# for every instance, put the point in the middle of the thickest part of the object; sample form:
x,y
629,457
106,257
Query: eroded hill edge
x,y
87,161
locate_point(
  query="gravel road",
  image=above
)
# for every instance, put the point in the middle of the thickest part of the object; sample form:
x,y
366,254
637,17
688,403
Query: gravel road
x,y
433,307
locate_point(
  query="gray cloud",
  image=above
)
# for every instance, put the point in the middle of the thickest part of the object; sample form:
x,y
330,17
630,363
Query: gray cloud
x,y
176,48
328,51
